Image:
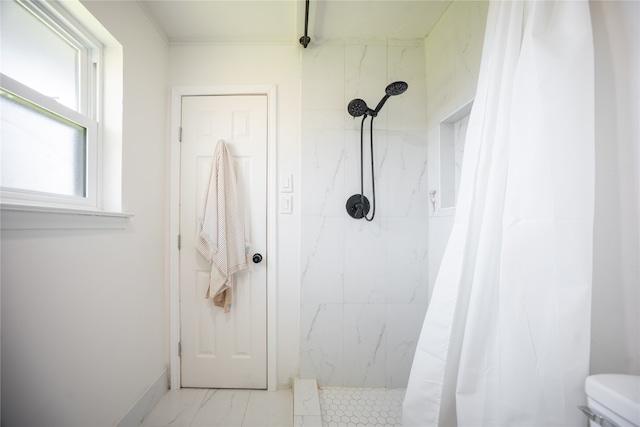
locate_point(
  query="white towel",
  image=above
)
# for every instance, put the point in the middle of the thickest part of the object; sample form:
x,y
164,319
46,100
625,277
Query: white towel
x,y
221,236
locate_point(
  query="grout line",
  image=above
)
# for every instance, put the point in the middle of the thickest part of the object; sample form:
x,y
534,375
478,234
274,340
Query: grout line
x,y
246,408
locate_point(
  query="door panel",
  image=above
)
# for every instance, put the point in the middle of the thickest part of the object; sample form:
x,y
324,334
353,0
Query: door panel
x,y
223,350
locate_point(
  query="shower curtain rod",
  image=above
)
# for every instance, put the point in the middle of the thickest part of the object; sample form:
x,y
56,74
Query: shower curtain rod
x,y
304,40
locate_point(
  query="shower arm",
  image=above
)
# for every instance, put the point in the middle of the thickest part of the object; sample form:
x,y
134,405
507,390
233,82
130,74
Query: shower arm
x,y
375,112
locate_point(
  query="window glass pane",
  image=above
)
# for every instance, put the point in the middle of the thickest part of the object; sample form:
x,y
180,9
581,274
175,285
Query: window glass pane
x,y
41,151
37,56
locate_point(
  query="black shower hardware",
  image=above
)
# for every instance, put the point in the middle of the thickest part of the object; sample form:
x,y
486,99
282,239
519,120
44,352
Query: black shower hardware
x,y
358,107
305,40
358,205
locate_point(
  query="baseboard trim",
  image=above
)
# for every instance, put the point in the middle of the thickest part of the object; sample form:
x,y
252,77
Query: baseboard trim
x,y
146,402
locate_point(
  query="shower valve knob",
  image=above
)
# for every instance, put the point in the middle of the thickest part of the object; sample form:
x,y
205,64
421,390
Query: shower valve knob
x,y
357,206
257,258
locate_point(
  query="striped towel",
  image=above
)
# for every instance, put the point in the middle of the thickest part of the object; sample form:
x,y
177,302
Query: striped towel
x,y
221,236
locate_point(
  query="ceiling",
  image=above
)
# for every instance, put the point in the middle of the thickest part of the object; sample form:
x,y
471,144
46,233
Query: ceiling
x,y
282,21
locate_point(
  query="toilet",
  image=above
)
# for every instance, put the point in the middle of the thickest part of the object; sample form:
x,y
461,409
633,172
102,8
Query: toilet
x,y
613,400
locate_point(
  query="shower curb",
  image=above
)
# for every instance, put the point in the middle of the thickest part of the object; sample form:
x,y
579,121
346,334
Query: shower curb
x,y
306,403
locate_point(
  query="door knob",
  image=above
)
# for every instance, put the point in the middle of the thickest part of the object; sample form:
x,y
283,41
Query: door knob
x,y
257,258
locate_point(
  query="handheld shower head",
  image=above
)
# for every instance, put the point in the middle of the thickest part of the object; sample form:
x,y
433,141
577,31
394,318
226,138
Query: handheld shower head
x,y
396,88
393,89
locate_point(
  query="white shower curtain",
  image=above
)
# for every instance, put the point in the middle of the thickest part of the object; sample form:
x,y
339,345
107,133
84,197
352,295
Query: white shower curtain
x,y
505,341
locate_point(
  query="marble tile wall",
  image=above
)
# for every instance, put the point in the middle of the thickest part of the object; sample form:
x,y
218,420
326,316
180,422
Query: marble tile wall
x,y
364,285
453,50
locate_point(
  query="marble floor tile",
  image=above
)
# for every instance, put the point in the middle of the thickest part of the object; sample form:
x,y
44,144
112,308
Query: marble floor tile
x,y
222,408
225,408
269,409
177,408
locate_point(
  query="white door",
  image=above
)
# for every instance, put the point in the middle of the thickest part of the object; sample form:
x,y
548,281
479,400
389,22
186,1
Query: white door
x,y
223,350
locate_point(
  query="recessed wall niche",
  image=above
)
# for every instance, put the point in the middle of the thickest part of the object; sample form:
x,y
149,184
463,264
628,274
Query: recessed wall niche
x,y
453,131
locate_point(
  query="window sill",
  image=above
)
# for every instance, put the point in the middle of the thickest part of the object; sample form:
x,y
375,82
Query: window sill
x,y
27,217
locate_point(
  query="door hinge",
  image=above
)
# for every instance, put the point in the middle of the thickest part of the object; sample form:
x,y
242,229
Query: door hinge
x,y
179,348
180,134
179,241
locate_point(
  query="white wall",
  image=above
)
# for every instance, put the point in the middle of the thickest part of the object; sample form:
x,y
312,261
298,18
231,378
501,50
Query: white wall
x,y
83,312
363,284
263,65
452,64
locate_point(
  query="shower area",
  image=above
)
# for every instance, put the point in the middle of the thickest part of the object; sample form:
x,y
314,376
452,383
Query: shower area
x,y
365,285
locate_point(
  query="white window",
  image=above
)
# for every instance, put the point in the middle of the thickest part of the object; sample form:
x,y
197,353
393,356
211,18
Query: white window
x,y
48,107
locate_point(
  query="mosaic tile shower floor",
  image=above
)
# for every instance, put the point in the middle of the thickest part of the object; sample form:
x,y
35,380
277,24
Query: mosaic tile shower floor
x,y
361,407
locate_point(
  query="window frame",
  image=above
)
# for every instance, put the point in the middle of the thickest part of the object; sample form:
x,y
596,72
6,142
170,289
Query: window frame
x,y
11,195
88,115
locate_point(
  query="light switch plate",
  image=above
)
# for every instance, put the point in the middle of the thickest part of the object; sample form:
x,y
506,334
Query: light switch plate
x,y
286,183
286,204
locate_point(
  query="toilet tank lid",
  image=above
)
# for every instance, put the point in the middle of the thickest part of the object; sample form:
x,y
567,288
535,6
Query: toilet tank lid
x,y
620,393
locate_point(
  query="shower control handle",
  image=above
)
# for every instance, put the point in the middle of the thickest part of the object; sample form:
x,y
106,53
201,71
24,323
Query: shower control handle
x,y
257,258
